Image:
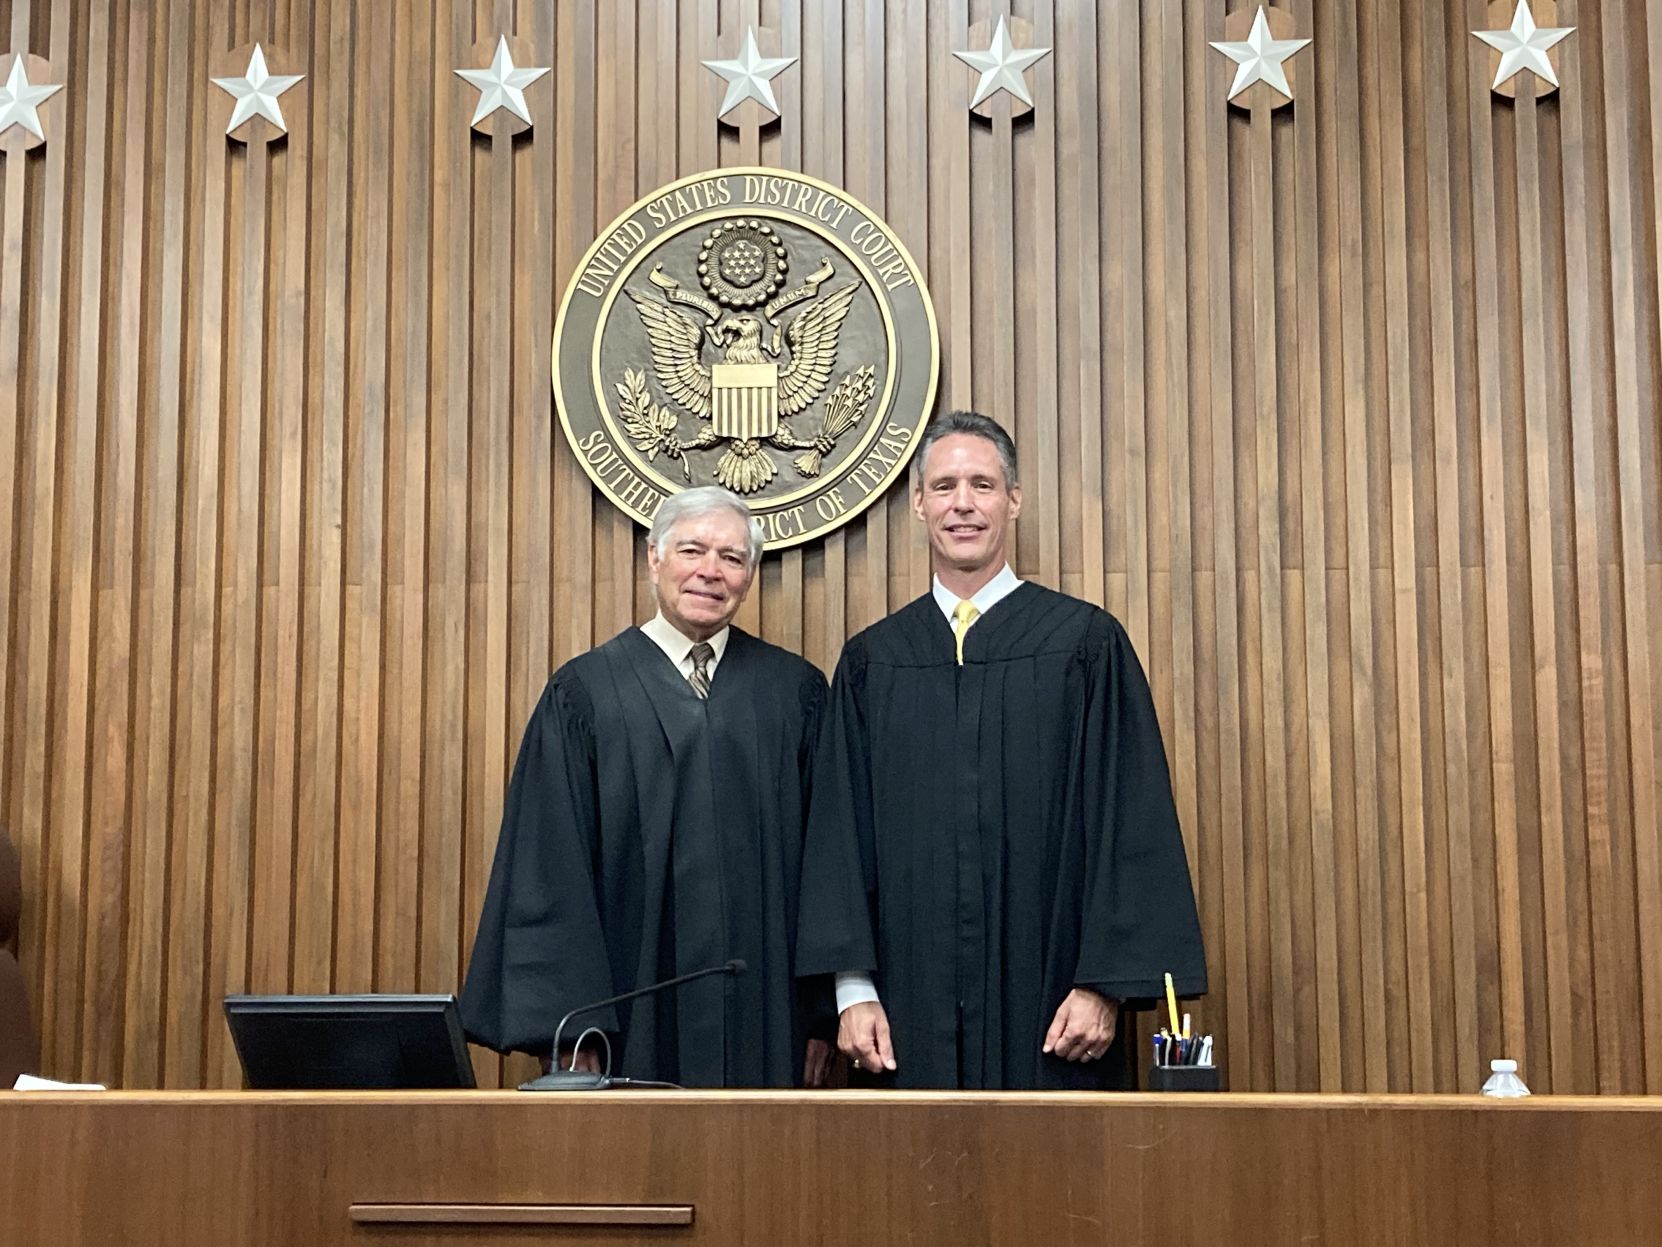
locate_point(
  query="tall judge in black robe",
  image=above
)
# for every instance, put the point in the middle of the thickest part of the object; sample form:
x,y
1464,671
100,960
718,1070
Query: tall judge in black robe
x,y
654,827
994,862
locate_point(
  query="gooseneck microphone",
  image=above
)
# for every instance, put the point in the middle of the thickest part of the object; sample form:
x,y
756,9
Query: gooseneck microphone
x,y
575,1079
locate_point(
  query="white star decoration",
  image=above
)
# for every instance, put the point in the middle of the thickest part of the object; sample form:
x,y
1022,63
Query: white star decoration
x,y
20,100
1524,46
1260,57
502,85
256,93
750,77
1003,67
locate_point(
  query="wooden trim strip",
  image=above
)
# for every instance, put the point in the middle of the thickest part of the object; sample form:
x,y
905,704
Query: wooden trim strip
x,y
521,1214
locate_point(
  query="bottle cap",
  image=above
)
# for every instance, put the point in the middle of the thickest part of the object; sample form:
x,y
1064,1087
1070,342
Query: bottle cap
x,y
1503,1067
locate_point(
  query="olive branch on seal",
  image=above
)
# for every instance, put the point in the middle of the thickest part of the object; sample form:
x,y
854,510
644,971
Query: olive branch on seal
x,y
650,427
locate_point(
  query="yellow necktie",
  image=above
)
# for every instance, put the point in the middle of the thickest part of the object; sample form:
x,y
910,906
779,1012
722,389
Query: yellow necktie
x,y
963,615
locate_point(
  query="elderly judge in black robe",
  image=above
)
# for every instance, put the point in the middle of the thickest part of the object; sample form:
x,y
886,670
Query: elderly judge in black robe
x,y
994,862
654,827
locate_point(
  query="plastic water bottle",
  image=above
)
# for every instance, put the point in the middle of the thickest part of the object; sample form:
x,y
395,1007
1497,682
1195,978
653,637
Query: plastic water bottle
x,y
1504,1082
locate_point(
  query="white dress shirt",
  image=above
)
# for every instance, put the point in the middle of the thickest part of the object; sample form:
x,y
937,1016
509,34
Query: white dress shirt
x,y
678,647
856,986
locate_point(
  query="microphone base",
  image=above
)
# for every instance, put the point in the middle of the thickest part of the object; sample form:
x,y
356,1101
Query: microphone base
x,y
568,1080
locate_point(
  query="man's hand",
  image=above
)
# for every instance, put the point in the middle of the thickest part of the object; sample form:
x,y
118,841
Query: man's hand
x,y
588,1060
863,1037
816,1063
1083,1027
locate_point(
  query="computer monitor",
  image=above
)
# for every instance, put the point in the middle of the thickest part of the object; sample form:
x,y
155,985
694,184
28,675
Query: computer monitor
x,y
349,1043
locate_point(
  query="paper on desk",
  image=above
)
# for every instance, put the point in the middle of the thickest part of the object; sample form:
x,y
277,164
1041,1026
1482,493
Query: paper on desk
x,y
28,1082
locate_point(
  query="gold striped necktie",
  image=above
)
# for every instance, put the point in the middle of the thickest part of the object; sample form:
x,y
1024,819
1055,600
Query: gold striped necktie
x,y
700,677
963,615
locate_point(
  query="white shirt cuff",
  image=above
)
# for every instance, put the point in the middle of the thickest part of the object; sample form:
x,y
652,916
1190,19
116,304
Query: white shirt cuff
x,y
854,987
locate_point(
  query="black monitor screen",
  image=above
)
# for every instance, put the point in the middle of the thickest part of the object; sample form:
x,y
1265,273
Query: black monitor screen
x,y
349,1043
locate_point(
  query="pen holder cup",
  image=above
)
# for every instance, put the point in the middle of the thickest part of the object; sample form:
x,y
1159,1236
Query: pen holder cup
x,y
1183,1078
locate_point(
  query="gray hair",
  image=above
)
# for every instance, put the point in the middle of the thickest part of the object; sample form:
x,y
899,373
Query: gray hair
x,y
692,504
976,425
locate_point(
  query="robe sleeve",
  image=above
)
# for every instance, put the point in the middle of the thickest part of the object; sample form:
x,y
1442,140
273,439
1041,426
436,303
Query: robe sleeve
x,y
839,875
1138,918
816,994
540,951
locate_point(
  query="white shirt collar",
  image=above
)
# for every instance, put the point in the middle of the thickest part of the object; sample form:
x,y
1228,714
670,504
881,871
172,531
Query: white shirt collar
x,y
677,646
988,596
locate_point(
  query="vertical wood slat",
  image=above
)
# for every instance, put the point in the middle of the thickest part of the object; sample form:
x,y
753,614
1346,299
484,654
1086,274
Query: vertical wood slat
x,y
1588,410
1391,158
1231,962
1325,1024
289,543
1369,920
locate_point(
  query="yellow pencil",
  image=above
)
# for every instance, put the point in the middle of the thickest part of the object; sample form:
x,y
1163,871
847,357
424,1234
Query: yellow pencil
x,y
1171,1003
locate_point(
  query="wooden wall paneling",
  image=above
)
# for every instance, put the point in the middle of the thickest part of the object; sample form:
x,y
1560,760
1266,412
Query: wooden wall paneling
x,y
1203,849
623,597
1342,413
1390,936
1130,401
282,525
1456,824
413,239
1112,223
22,686
1629,349
155,522
1587,411
82,899
1036,344
1157,194
366,465
907,86
35,629
1544,609
189,901
326,430
1503,765
575,224
1176,555
532,463
1641,584
1391,156
1364,722
1321,1019
175,991
1331,53
1080,336
450,465
495,163
1261,244
1215,347
12,345
864,176
237,702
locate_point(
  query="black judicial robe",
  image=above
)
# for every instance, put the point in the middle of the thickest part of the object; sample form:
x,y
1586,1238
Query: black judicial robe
x,y
985,838
648,833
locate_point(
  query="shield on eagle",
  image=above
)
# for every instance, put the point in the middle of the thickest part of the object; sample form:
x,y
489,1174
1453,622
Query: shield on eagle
x,y
744,400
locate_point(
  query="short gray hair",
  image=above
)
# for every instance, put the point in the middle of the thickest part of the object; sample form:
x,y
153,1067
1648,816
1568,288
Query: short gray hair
x,y
976,425
692,504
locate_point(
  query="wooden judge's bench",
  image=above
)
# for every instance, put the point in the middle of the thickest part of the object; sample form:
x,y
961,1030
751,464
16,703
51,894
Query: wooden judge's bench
x,y
766,1169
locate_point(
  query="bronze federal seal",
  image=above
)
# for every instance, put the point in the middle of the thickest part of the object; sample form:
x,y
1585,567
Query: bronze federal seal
x,y
752,328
